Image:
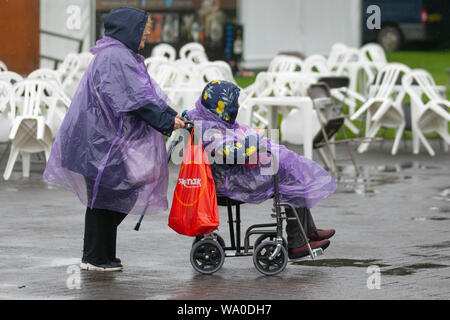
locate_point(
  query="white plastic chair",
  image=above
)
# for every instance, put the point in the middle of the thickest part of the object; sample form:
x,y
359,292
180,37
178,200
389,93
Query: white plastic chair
x,y
372,58
384,106
164,50
276,88
3,66
226,70
152,64
285,63
197,57
275,93
337,56
373,53
72,70
210,71
46,75
5,111
34,103
429,111
317,65
69,63
5,115
53,78
190,47
10,76
170,79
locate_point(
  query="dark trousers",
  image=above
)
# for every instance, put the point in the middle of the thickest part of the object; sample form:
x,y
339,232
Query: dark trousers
x,y
100,235
295,238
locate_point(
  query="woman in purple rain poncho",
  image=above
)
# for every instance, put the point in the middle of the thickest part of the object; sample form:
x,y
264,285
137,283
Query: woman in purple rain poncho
x,y
110,150
242,170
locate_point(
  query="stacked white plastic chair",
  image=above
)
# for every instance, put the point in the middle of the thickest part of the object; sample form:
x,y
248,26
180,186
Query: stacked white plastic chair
x,y
283,92
70,62
63,103
164,50
374,53
373,58
317,66
348,61
72,70
282,79
259,115
279,64
215,70
10,77
33,105
285,63
152,64
337,57
384,106
6,116
169,78
429,111
186,49
193,52
3,66
197,57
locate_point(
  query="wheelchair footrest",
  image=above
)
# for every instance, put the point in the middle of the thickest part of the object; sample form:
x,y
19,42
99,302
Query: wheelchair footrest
x,y
316,253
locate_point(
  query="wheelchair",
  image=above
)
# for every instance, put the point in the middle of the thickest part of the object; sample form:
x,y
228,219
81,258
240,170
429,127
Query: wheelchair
x,y
269,250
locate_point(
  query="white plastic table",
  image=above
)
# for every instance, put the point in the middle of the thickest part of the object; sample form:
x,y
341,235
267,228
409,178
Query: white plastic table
x,y
304,104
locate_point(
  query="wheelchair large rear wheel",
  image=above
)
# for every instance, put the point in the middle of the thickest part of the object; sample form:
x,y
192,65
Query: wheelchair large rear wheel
x,y
207,256
262,258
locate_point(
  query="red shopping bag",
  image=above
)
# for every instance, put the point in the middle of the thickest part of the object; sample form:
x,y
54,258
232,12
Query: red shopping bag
x,y
194,209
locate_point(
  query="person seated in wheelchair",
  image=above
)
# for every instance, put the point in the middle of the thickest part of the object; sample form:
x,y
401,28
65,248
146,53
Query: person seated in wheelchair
x,y
243,169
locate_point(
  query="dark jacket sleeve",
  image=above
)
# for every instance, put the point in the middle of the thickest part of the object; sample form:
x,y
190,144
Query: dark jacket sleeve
x,y
161,120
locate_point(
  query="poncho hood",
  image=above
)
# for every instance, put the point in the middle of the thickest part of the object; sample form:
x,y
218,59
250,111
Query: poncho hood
x,y
221,99
126,25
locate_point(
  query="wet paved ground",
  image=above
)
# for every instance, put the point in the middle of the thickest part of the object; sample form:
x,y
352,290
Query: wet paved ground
x,y
396,216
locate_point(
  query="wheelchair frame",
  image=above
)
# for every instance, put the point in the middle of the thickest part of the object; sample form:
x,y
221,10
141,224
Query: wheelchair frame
x,y
269,257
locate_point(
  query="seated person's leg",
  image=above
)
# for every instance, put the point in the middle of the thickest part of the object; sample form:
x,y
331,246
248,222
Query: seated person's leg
x,y
296,242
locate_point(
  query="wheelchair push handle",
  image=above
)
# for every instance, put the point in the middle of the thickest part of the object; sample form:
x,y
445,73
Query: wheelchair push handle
x,y
188,123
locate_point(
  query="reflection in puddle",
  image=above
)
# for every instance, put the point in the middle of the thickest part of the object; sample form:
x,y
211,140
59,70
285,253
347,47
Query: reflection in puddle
x,y
373,176
336,263
397,271
441,245
413,268
430,218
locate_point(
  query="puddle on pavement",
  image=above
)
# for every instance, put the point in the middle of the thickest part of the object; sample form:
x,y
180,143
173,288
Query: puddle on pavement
x,y
397,271
430,218
440,245
411,269
375,176
337,263
440,209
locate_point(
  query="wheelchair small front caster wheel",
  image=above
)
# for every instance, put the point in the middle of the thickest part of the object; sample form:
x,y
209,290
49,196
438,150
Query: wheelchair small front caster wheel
x,y
265,261
207,256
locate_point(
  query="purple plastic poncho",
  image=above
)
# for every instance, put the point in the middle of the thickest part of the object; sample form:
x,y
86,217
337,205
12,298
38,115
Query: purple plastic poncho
x,y
302,182
109,158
